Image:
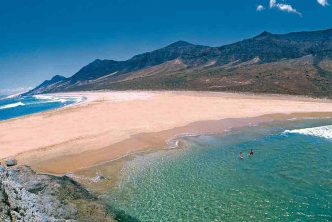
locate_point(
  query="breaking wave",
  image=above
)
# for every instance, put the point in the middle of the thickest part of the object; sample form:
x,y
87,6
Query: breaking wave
x,y
61,99
43,99
25,105
12,105
321,131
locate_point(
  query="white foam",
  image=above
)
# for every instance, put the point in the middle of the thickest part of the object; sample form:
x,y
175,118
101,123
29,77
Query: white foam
x,y
321,131
61,99
12,105
50,98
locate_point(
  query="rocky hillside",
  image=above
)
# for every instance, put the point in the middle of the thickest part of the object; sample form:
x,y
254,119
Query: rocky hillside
x,y
294,63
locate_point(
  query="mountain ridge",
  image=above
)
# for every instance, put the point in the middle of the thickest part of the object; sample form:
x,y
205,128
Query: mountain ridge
x,y
264,48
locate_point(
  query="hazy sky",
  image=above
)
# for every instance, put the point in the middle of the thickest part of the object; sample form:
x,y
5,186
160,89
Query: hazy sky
x,y
42,38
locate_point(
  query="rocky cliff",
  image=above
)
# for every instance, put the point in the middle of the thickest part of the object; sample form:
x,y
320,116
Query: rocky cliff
x,y
27,196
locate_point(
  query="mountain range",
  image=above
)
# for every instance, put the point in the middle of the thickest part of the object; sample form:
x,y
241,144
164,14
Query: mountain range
x,y
297,63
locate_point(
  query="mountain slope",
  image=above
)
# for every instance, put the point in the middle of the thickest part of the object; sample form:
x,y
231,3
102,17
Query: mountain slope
x,y
180,49
294,63
48,84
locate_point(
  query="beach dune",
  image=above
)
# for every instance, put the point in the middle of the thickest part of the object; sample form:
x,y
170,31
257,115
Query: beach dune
x,y
109,125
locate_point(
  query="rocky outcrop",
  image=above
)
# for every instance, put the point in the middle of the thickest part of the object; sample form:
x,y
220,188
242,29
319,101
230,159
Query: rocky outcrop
x,y
27,196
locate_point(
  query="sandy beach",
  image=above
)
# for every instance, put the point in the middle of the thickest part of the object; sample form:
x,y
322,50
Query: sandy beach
x,y
110,125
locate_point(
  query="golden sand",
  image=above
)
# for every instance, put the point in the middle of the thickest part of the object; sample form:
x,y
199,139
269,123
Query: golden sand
x,y
110,125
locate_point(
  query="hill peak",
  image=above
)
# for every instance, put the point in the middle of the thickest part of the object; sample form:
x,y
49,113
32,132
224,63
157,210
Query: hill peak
x,y
180,43
264,34
57,78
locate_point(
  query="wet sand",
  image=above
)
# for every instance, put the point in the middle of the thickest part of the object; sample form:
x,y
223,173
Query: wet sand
x,y
111,125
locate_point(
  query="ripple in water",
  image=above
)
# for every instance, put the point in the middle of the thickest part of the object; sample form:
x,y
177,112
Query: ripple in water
x,y
288,179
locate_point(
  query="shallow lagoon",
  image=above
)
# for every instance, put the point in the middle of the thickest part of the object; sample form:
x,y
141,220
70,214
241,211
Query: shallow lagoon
x,y
288,179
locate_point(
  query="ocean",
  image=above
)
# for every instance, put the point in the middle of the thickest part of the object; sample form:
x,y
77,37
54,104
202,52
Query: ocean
x,y
20,106
289,178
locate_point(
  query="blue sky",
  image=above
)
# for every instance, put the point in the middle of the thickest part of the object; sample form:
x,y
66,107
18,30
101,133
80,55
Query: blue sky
x,y
42,38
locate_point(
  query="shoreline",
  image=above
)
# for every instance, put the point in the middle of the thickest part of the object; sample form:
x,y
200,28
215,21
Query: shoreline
x,y
111,170
114,124
91,96
161,141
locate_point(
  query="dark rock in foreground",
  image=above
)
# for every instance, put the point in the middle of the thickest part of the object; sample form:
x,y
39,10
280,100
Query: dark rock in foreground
x,y
11,162
27,196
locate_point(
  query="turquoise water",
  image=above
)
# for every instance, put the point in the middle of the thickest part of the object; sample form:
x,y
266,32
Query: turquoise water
x,y
20,106
288,179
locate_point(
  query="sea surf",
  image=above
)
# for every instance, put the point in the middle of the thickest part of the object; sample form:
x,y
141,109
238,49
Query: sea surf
x,y
24,105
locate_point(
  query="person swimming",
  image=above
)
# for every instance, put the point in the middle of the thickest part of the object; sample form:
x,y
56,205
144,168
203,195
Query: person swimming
x,y
241,155
251,153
